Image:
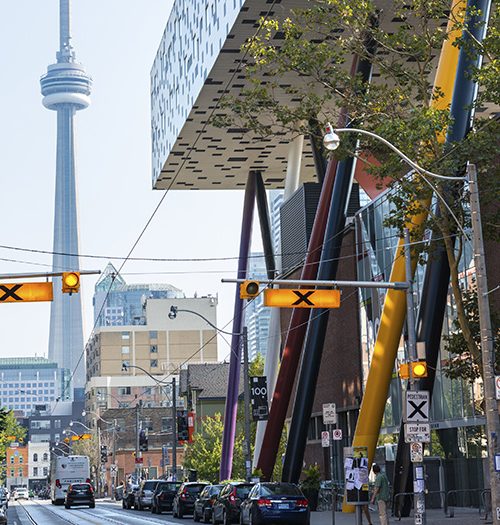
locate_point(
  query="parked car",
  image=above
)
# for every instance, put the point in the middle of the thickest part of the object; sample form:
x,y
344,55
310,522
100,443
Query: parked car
x,y
4,500
204,503
187,494
3,515
79,494
226,508
143,496
275,503
129,494
21,493
164,495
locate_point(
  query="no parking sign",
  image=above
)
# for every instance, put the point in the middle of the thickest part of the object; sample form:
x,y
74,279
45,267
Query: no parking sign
x,y
497,387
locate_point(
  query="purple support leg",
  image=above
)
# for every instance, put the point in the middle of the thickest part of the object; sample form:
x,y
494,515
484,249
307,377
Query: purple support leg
x,y
226,462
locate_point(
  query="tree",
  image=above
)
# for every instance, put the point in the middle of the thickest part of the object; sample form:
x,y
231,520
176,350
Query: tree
x,y
306,79
10,430
204,453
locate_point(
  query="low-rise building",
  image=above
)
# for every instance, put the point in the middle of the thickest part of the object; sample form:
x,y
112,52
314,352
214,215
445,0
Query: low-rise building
x,y
17,466
38,464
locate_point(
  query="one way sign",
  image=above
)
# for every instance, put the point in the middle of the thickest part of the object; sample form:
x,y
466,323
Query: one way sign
x,y
417,406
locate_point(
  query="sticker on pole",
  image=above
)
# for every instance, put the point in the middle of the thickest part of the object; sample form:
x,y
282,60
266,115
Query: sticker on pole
x,y
337,434
416,452
325,439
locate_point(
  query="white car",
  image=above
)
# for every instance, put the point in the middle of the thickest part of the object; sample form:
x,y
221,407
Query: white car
x,y
21,493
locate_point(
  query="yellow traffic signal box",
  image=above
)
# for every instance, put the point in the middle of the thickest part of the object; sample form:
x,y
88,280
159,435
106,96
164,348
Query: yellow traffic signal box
x,y
71,282
249,289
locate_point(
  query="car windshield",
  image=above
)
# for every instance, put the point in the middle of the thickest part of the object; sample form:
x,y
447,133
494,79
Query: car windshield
x,y
243,490
215,490
168,486
280,489
149,485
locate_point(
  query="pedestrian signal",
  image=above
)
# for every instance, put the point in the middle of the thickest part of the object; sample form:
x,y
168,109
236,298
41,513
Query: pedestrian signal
x,y
249,289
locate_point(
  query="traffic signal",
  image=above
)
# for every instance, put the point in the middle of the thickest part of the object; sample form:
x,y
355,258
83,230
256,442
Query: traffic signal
x,y
418,370
143,440
249,289
182,426
71,282
104,453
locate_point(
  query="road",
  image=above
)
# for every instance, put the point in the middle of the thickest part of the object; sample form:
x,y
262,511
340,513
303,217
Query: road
x,y
42,512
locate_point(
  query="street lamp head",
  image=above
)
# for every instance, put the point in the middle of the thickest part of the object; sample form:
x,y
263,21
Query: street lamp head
x,y
84,413
331,140
173,312
124,367
71,423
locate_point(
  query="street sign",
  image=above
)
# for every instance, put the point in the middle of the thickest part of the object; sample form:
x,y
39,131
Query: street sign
x,y
417,406
325,439
258,395
113,469
497,387
417,433
329,414
14,444
25,292
416,452
337,434
287,298
139,461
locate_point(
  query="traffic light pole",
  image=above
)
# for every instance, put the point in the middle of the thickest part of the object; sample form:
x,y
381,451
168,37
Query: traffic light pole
x,y
174,431
418,467
137,430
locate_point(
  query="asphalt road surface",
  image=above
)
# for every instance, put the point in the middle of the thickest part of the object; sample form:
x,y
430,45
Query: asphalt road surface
x,y
42,512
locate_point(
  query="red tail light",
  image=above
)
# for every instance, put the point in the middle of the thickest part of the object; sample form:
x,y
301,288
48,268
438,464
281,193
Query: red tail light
x,y
302,502
264,502
91,489
184,494
87,481
58,484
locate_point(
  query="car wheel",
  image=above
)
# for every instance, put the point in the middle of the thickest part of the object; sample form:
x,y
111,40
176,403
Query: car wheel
x,y
158,509
225,519
124,505
92,506
214,521
206,519
180,512
153,509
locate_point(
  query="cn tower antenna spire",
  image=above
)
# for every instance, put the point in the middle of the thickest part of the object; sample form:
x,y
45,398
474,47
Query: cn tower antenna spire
x,y
66,53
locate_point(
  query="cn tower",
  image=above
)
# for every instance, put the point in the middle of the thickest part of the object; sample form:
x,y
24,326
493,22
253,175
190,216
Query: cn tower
x,y
66,89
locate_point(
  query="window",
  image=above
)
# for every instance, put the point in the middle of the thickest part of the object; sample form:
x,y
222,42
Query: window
x,y
147,390
11,460
154,363
21,459
45,456
45,471
120,423
57,423
35,457
20,472
125,350
166,424
35,471
153,349
125,335
12,472
124,391
40,424
147,424
153,334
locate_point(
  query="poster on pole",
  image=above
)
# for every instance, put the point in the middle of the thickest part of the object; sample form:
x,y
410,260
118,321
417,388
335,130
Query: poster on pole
x,y
325,439
356,472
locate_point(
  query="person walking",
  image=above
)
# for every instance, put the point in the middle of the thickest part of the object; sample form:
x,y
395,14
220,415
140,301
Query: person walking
x,y
381,494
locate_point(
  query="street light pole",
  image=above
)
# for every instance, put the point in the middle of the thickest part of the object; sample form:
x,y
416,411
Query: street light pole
x,y
174,430
246,394
487,346
418,468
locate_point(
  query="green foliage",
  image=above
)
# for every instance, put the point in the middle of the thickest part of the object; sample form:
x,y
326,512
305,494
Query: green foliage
x,y
461,363
9,427
312,478
256,367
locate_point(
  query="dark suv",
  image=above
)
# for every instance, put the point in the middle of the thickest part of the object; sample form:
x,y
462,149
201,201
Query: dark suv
x,y
227,507
204,504
80,494
144,495
186,496
164,495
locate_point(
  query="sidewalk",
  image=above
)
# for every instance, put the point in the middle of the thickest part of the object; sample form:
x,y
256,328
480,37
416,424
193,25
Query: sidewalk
x,y
434,517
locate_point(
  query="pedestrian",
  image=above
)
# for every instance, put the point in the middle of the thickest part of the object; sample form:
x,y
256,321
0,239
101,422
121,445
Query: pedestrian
x,y
366,512
381,494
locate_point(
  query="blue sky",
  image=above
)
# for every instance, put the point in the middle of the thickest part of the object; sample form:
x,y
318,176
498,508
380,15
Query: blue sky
x,y
116,40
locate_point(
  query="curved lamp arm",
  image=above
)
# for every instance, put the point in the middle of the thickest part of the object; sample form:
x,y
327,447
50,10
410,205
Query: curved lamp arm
x,y
414,165
173,315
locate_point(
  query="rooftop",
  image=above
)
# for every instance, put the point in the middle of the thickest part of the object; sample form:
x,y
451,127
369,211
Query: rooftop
x,y
208,379
26,362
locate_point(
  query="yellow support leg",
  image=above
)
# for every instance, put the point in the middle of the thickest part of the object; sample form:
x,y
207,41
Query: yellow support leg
x,y
394,310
